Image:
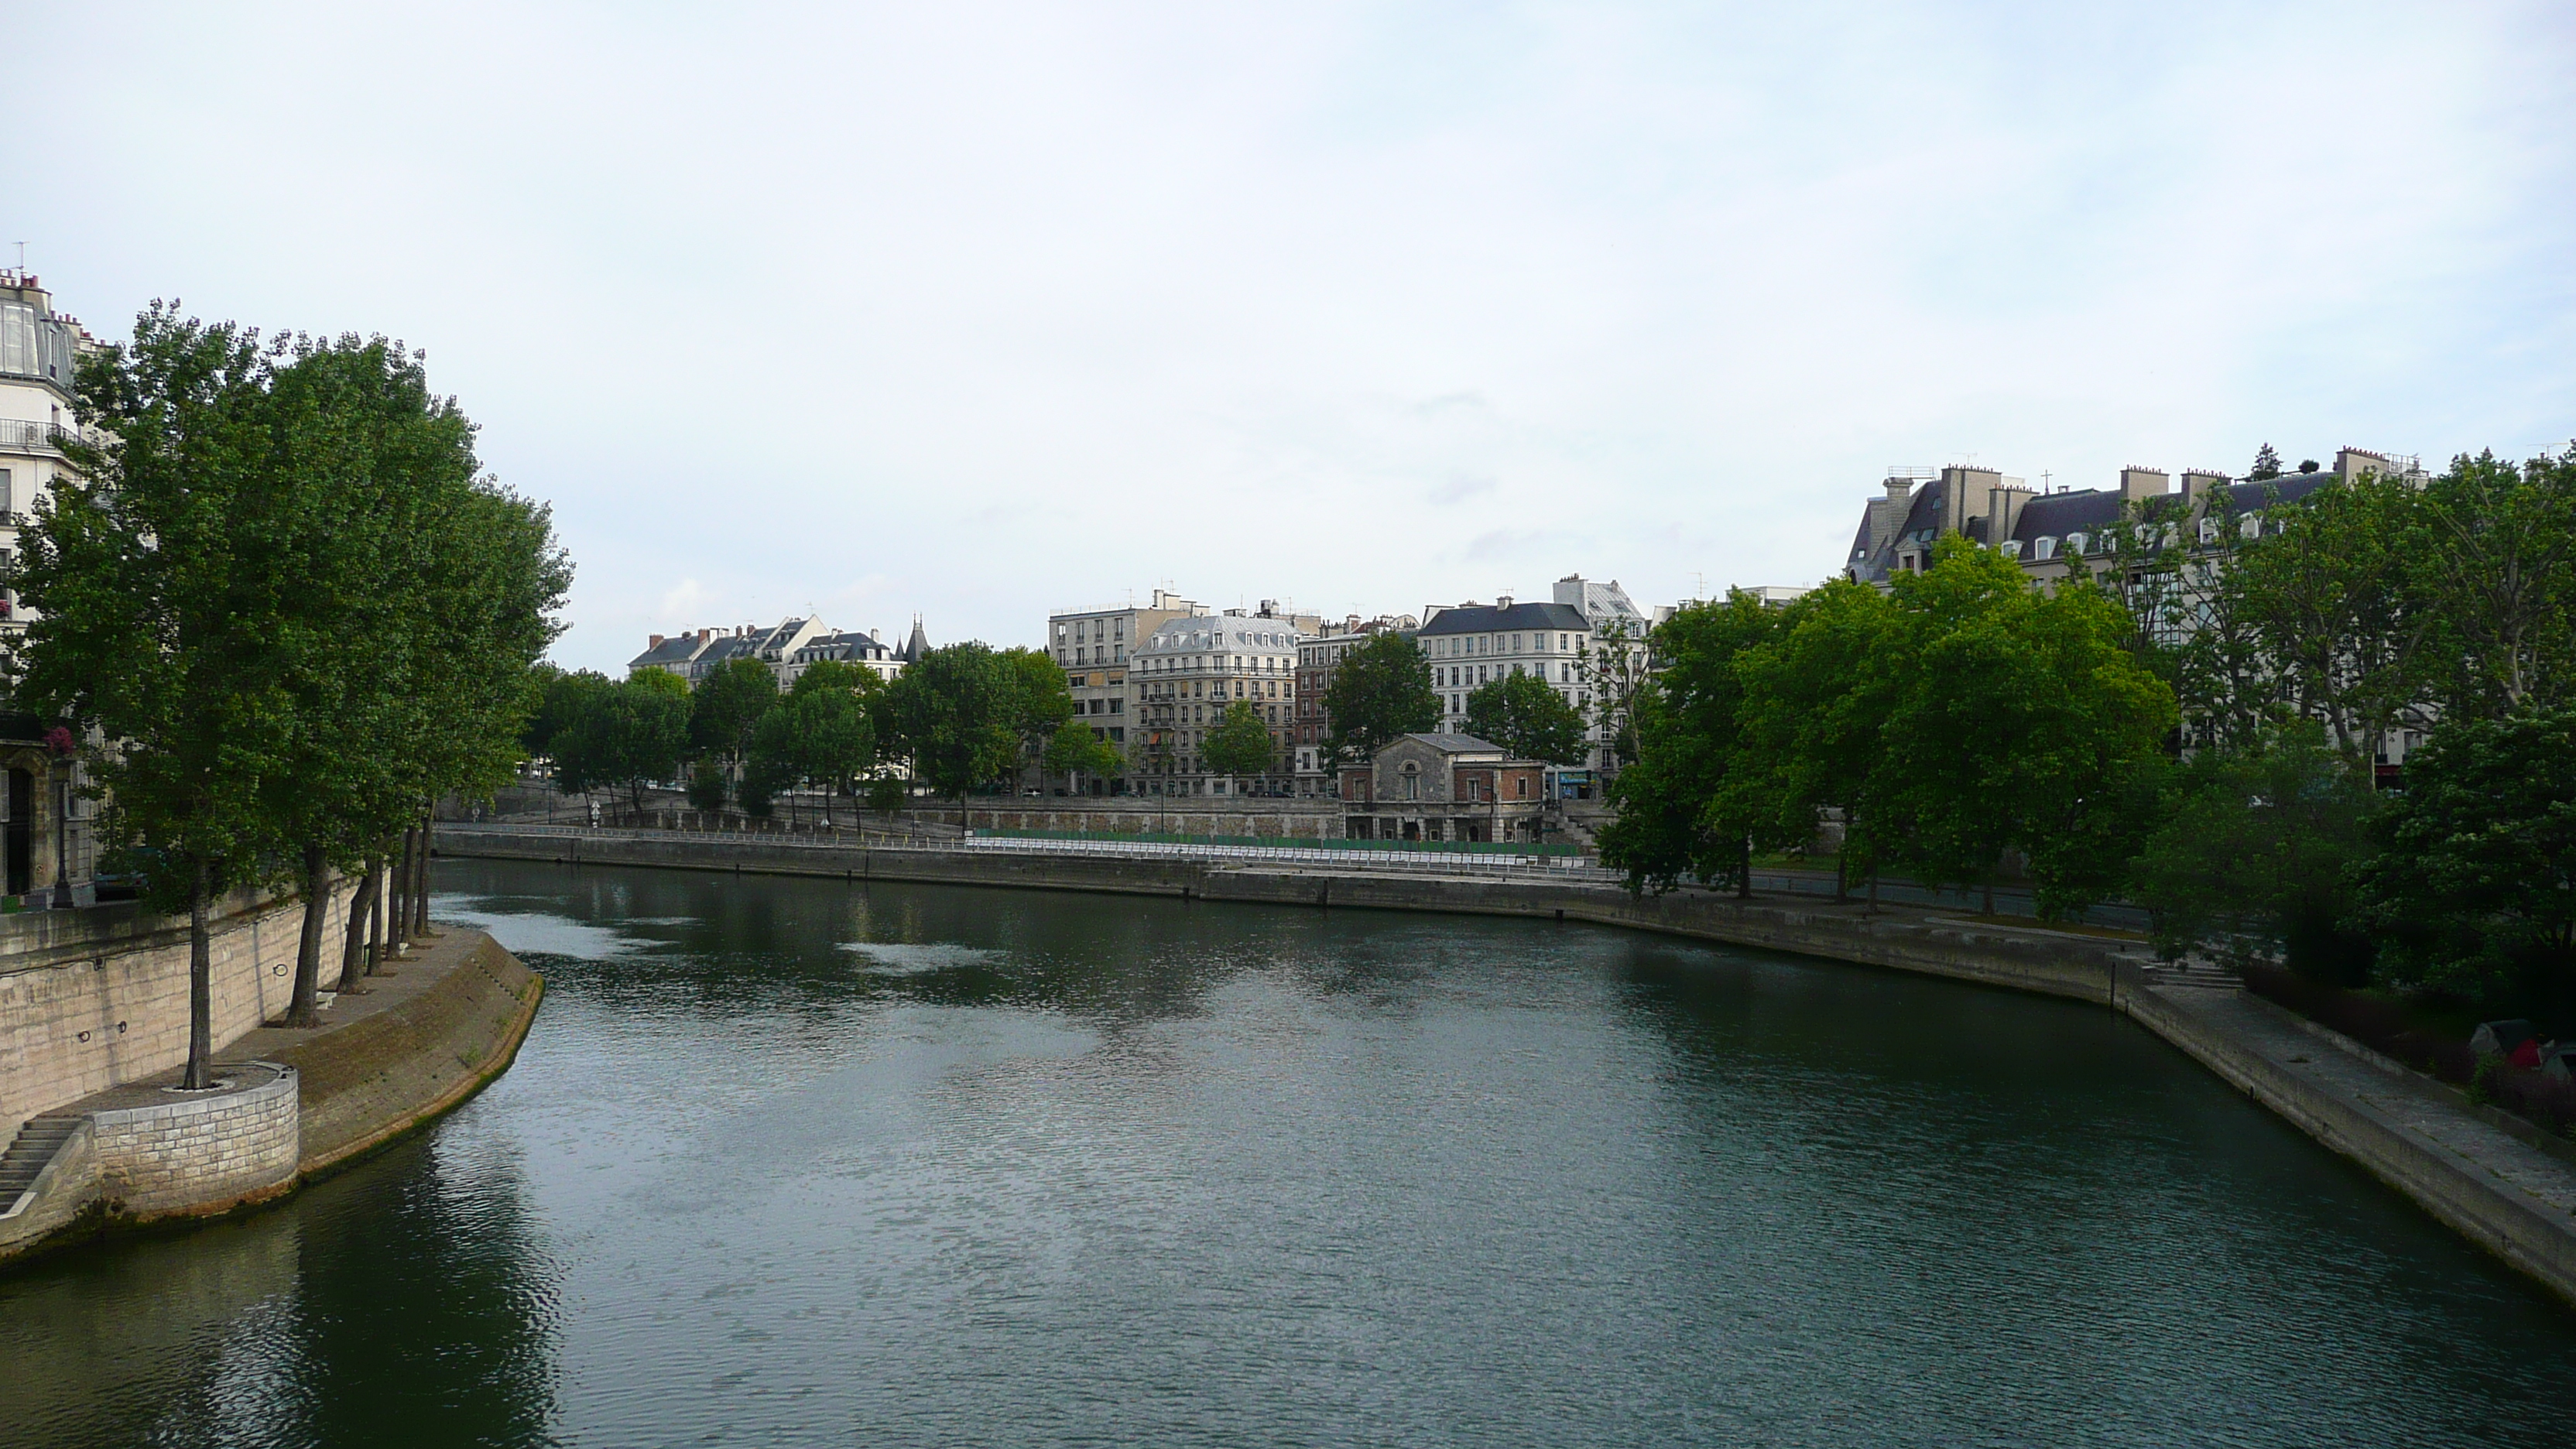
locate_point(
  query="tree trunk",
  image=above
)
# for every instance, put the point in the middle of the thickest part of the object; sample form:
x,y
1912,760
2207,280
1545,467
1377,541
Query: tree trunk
x,y
377,880
1744,881
398,888
201,983
420,885
353,935
1842,878
305,1008
1989,908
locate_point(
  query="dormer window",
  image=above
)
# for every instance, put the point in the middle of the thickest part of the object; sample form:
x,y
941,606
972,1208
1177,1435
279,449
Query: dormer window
x,y
2043,549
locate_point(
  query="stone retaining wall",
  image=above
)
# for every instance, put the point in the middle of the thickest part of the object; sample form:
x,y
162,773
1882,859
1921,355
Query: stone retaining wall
x,y
88,1004
2504,1222
381,1076
201,1152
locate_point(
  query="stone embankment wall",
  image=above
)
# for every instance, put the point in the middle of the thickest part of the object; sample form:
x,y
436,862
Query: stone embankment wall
x,y
2053,963
1145,815
382,1076
201,1152
89,999
2508,1223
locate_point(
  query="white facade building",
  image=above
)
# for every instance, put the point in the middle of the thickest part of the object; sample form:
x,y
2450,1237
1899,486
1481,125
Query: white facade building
x,y
38,351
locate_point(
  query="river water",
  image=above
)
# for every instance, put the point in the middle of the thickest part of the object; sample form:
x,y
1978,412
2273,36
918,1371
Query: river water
x,y
795,1162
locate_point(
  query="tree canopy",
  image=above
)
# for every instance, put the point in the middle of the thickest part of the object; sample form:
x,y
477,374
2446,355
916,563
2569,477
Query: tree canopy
x,y
1380,690
1240,744
1527,716
2474,887
285,607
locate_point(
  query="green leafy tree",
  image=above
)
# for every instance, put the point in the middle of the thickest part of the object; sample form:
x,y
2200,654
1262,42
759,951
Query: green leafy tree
x,y
408,645
634,736
1240,744
1525,715
1683,810
2473,890
956,714
838,674
2267,465
728,705
2017,721
706,786
156,578
2324,591
1380,690
562,697
2254,856
1038,698
2491,570
886,794
1814,711
1076,750
818,737
1614,666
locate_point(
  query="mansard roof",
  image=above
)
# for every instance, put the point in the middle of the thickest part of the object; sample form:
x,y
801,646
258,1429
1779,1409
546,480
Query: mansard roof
x,y
1489,618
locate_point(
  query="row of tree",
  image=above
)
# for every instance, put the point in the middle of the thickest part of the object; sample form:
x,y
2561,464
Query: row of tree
x,y
284,611
961,718
2194,719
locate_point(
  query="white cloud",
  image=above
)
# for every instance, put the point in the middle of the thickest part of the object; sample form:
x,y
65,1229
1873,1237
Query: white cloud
x,y
978,310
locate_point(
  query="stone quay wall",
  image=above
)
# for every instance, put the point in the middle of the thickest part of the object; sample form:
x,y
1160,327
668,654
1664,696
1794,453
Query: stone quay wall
x,y
94,998
2052,963
382,1076
201,1152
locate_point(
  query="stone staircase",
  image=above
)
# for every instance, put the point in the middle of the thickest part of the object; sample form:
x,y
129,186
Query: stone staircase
x,y
34,1146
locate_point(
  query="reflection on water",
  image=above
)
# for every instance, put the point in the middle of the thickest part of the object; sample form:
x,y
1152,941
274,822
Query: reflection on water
x,y
406,1302
805,1162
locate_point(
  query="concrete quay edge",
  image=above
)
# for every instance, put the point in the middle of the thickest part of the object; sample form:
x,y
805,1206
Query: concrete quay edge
x,y
2459,1186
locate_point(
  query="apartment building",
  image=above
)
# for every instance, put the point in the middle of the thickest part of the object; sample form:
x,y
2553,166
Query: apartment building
x,y
1182,677
1093,646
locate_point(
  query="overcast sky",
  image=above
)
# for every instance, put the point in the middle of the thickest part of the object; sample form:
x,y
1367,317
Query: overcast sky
x,y
979,311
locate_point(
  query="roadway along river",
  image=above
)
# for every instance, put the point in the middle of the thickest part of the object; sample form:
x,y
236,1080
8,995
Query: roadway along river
x,y
791,1162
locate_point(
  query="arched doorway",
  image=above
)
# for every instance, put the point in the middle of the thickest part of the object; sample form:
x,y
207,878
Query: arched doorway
x,y
22,832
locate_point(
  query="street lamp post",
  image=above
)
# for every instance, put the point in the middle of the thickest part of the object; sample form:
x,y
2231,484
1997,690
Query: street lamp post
x,y
62,894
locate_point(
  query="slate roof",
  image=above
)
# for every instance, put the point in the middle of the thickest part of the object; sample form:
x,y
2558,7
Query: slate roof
x,y
677,650
1488,618
2054,515
1455,744
849,644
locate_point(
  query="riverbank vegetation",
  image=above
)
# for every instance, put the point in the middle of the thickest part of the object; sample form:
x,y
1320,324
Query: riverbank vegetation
x,y
962,718
282,610
2336,736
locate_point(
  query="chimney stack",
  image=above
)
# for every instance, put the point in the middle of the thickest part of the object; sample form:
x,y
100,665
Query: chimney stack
x,y
2197,483
652,641
2139,484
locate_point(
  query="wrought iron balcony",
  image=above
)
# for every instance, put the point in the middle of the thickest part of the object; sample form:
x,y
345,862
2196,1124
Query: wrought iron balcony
x,y
27,437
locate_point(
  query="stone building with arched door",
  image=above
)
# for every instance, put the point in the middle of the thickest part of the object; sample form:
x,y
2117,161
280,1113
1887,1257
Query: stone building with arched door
x,y
47,831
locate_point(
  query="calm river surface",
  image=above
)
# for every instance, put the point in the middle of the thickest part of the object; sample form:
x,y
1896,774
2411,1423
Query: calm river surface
x,y
801,1163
